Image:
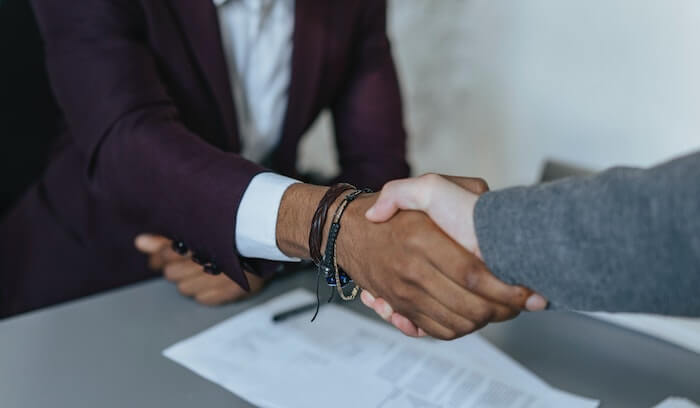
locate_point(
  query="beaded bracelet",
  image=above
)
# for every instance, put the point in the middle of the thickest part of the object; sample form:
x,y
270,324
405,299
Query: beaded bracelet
x,y
336,276
319,219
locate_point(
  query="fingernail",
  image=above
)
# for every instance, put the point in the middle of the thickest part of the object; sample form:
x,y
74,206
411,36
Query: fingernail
x,y
535,303
370,298
370,212
387,311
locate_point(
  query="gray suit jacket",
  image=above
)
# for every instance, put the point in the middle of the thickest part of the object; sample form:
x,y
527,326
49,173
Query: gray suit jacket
x,y
625,240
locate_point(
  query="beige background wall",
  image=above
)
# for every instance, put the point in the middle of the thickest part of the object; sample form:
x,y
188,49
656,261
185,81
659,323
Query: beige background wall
x,y
492,88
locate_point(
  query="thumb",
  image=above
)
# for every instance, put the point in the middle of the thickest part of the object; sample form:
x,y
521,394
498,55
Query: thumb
x,y
149,244
398,194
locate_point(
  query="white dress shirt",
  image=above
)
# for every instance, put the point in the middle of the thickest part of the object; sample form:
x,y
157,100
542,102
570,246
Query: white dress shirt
x,y
257,41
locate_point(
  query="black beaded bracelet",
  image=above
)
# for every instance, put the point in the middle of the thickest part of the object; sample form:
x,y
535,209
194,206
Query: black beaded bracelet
x,y
334,275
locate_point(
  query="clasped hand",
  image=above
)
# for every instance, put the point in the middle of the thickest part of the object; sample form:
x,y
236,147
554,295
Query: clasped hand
x,y
413,246
455,294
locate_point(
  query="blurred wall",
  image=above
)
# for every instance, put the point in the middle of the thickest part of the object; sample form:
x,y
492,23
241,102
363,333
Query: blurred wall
x,y
493,88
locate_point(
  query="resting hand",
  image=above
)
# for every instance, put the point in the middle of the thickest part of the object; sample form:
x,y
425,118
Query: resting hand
x,y
190,278
450,202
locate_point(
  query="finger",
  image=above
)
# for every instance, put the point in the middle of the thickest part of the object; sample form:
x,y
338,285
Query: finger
x,y
536,303
220,296
424,304
164,257
436,329
469,272
200,283
150,244
395,195
473,184
383,309
458,300
255,282
183,269
442,278
404,325
380,306
212,297
367,298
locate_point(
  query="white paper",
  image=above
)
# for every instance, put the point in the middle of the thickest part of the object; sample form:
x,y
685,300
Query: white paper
x,y
346,360
675,402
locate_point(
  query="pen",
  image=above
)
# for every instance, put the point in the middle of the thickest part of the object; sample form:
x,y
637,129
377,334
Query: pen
x,y
281,316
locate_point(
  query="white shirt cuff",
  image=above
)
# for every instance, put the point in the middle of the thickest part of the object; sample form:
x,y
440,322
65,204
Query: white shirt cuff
x,y
256,225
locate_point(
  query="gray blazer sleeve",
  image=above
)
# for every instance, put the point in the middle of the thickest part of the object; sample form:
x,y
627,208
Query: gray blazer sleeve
x,y
625,240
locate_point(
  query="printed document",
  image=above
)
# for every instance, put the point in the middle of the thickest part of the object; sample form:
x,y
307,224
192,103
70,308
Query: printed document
x,y
346,360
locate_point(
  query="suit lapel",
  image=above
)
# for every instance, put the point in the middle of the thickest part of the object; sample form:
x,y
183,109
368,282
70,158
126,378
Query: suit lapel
x,y
310,19
200,25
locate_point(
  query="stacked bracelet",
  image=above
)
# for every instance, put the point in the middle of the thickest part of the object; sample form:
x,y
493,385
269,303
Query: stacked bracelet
x,y
319,219
328,265
336,276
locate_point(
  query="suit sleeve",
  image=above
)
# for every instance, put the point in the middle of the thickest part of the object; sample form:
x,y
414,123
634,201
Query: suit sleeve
x,y
141,158
368,117
626,240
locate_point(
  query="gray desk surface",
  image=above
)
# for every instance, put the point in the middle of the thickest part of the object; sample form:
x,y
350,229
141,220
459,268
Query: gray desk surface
x,y
105,351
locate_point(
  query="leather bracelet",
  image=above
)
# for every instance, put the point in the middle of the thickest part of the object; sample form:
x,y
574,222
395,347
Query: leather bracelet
x,y
336,276
318,221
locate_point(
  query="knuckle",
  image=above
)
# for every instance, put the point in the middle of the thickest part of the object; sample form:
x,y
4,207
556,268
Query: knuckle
x,y
414,275
414,239
518,296
184,288
429,182
467,328
430,178
472,280
169,273
403,294
483,315
449,334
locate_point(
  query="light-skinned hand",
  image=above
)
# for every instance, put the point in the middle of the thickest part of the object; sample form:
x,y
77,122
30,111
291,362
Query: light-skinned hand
x,y
449,201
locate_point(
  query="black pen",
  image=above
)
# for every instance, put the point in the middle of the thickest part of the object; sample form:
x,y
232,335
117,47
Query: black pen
x,y
281,316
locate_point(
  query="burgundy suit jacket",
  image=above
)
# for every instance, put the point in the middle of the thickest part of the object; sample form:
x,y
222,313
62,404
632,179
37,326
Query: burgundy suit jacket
x,y
148,141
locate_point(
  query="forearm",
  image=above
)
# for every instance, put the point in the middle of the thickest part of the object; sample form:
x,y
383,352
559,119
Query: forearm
x,y
625,240
367,112
159,175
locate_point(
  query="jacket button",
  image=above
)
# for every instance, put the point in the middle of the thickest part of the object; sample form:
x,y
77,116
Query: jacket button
x,y
211,268
180,247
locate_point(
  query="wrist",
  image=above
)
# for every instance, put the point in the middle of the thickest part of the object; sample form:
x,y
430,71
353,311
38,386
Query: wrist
x,y
352,225
296,211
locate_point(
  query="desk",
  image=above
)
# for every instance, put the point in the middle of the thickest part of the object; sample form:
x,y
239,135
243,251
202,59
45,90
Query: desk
x,y
105,351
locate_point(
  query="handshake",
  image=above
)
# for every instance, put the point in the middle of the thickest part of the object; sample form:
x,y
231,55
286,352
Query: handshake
x,y
419,262
412,248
